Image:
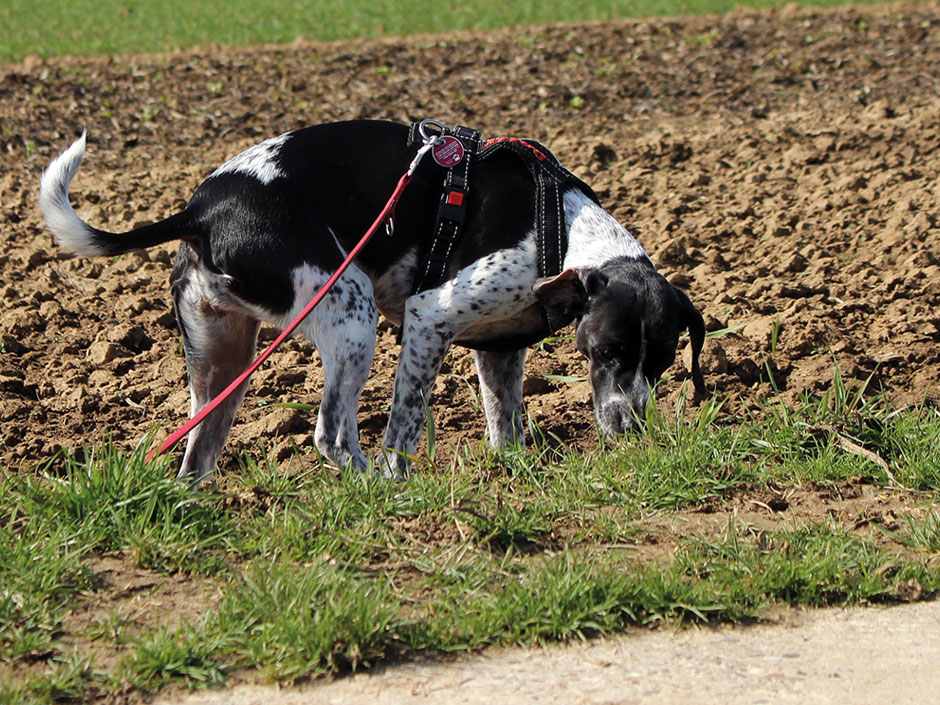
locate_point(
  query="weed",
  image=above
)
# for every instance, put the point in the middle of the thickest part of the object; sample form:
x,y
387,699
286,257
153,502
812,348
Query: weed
x,y
66,680
775,337
112,501
40,570
294,620
922,534
816,565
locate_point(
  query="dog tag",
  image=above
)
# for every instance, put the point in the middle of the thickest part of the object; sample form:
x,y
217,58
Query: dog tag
x,y
448,151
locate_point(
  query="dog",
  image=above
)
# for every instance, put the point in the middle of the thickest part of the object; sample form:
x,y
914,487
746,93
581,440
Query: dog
x,y
266,229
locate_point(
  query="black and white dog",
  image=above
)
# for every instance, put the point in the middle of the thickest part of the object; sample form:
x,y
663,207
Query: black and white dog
x,y
263,233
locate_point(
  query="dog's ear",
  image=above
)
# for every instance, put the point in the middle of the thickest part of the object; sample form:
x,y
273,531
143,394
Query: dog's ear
x,y
595,282
690,318
563,295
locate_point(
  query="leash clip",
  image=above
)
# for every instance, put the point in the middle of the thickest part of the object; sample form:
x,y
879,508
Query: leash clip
x,y
430,139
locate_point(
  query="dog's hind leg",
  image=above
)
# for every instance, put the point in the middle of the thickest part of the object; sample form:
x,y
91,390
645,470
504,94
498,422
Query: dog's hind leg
x,y
343,328
500,375
219,344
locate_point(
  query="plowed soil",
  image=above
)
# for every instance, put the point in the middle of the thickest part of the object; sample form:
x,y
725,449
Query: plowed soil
x,y
782,167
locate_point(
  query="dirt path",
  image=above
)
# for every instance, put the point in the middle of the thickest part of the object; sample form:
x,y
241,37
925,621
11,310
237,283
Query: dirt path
x,y
849,657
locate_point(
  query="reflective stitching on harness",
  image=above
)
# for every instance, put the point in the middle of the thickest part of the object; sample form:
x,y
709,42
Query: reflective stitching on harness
x,y
560,227
550,180
450,211
542,223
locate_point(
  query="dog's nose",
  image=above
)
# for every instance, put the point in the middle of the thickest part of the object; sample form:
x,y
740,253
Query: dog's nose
x,y
620,418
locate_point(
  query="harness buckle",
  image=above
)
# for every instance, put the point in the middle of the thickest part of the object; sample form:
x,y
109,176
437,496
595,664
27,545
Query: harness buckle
x,y
453,204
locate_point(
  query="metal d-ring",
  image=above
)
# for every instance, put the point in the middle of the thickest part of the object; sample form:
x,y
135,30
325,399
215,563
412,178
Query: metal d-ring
x,y
433,123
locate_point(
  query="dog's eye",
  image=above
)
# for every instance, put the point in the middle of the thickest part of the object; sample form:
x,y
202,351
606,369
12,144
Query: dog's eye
x,y
606,353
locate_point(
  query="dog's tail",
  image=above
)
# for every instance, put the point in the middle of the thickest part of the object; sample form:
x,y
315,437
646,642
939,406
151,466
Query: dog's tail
x,y
79,238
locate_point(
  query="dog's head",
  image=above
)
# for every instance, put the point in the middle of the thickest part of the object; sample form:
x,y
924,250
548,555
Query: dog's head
x,y
628,320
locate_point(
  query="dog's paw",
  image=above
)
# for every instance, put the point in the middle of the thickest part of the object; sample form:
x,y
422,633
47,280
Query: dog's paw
x,y
392,465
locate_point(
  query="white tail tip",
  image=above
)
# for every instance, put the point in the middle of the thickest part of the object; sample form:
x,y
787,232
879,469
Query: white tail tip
x,y
69,231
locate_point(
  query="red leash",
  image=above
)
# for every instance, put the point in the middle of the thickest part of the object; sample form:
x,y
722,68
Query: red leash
x,y
384,217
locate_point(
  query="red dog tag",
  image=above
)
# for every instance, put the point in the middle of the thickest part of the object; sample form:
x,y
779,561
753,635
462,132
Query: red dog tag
x,y
448,151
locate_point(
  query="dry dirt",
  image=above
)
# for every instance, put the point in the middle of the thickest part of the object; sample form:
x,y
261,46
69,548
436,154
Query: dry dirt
x,y
781,167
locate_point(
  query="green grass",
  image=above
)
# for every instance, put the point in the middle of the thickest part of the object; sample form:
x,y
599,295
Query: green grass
x,y
41,571
318,574
110,501
95,27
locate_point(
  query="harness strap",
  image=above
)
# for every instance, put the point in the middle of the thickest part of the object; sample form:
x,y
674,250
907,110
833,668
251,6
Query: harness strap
x,y
553,244
450,213
551,180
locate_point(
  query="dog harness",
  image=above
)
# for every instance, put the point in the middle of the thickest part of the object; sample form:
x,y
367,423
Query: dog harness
x,y
551,180
453,203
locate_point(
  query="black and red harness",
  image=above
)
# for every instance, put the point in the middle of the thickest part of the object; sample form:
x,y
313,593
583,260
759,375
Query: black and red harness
x,y
551,181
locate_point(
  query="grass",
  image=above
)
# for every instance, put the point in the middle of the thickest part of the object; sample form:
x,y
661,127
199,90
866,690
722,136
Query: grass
x,y
94,27
40,572
110,501
315,573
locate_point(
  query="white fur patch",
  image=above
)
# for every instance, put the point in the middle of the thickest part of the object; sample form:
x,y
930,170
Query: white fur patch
x,y
594,236
66,227
260,161
204,288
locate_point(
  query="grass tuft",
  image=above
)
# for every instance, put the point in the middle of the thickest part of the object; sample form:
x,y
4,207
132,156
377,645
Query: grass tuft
x,y
295,620
165,656
111,500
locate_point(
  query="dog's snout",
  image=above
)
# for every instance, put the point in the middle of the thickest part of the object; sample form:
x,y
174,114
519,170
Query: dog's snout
x,y
621,416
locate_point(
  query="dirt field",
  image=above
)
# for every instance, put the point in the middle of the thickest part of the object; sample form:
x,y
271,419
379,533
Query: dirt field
x,y
781,167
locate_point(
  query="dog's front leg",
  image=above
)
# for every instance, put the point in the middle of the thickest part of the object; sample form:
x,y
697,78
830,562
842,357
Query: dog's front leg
x,y
494,288
426,335
500,375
